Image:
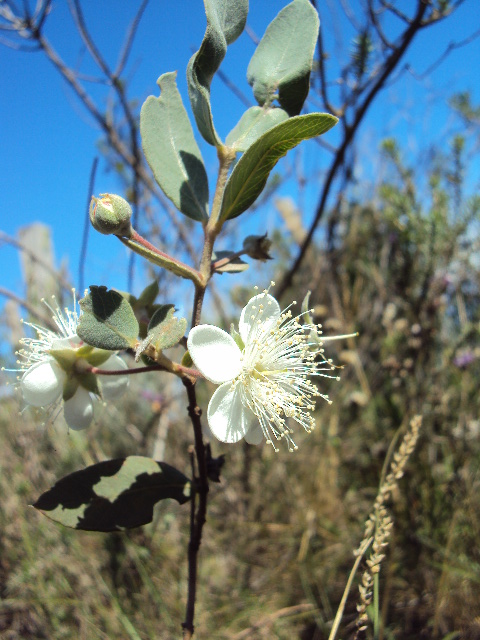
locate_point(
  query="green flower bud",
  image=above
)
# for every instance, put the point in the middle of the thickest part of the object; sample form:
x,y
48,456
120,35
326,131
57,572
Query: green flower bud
x,y
111,214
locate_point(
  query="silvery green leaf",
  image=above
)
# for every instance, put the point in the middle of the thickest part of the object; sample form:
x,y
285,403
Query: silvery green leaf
x,y
281,65
165,330
171,150
225,22
253,124
107,321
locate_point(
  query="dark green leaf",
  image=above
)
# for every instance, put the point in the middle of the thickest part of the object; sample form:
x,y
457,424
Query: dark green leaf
x,y
252,170
281,65
171,151
107,321
113,495
225,22
253,124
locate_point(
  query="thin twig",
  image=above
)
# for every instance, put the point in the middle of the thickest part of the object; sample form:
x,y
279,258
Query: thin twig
x,y
349,134
4,237
45,320
86,227
129,40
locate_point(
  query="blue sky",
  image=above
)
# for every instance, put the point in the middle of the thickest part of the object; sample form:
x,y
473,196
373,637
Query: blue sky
x,y
48,141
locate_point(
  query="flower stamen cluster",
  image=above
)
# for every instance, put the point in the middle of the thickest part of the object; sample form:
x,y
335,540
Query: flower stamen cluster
x,y
264,372
57,365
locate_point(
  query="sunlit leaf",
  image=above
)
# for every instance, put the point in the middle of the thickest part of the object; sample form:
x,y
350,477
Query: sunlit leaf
x,y
164,330
113,495
253,124
252,170
281,65
171,150
225,22
107,321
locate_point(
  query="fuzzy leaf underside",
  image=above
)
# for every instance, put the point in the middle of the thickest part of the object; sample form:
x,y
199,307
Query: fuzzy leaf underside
x,y
165,329
107,321
225,22
171,150
281,65
252,125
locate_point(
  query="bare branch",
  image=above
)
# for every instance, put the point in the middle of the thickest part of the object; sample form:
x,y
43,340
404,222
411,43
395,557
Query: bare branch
x,y
6,239
86,227
349,133
378,28
32,310
452,46
132,31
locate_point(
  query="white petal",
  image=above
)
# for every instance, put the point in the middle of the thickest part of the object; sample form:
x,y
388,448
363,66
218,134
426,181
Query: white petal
x,y
214,353
78,411
42,384
113,386
228,419
268,313
72,342
255,434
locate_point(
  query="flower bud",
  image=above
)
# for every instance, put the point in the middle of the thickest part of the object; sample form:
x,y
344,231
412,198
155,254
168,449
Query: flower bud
x,y
111,214
257,247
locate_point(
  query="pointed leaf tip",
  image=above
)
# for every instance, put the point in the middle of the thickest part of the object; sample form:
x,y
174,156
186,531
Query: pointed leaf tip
x,y
251,172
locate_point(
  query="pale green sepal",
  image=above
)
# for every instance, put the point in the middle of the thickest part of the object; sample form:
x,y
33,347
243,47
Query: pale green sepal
x,y
187,360
98,357
66,358
225,22
251,172
107,321
84,351
281,65
70,387
253,124
89,381
171,151
237,338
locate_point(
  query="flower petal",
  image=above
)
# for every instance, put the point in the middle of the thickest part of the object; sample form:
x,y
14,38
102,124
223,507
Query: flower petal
x,y
42,383
113,386
262,308
255,434
72,342
214,353
228,418
78,411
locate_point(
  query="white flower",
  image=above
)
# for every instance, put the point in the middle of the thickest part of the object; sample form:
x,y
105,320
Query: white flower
x,y
44,381
265,381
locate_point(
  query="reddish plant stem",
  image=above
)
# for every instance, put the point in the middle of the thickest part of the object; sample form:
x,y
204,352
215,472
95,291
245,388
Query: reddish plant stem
x,y
154,367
